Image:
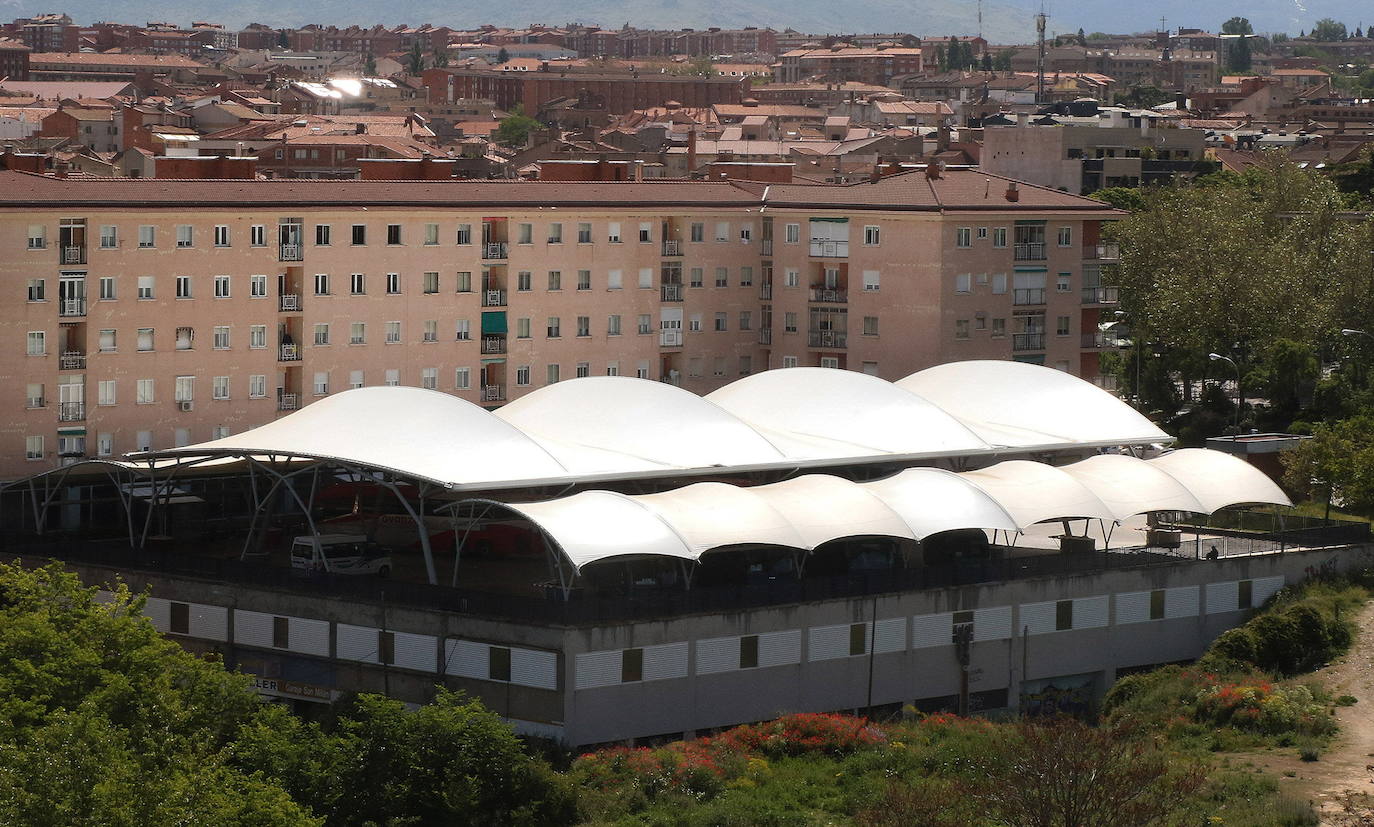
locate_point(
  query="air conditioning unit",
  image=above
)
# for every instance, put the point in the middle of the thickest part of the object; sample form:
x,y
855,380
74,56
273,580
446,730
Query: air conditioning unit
x,y
185,406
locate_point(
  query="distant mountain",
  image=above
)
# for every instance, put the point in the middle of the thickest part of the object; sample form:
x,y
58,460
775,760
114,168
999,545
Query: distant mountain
x,y
1004,21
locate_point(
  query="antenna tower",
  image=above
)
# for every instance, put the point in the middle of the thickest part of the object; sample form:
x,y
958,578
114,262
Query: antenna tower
x,y
1040,21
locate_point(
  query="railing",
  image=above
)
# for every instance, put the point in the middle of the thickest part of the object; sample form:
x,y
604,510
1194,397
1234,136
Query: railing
x,y
1097,341
670,338
829,249
288,401
289,353
766,291
1027,341
494,249
292,252
1101,295
1028,252
1106,381
493,393
493,344
671,292
74,254
1289,529
830,295
289,303
1028,295
71,307
1102,252
71,411
72,360
766,247
765,335
672,248
493,298
826,338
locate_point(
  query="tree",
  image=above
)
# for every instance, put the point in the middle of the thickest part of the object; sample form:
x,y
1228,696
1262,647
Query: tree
x,y
1237,25
986,64
1238,57
1002,62
1123,198
441,57
502,55
514,129
370,67
1082,38
416,58
1337,462
283,41
1144,97
1328,30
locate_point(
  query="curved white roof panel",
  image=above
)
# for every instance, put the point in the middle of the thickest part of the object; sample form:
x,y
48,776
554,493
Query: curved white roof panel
x,y
1218,479
823,508
931,500
596,525
1131,486
820,413
613,424
709,515
1032,492
1023,405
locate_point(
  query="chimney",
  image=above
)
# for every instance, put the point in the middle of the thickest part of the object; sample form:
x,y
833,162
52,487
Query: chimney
x,y
877,172
359,129
692,149
933,170
1013,193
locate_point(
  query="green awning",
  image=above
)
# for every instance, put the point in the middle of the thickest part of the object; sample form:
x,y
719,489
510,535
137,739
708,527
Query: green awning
x,y
494,321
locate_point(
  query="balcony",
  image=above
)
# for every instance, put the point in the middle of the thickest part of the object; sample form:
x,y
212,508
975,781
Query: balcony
x,y
671,292
493,298
670,338
672,248
289,303
71,307
766,247
292,252
72,360
1098,341
1028,252
493,393
766,292
1105,381
1101,295
73,254
494,249
493,344
1102,252
1027,341
829,249
826,339
289,353
765,335
71,411
829,295
288,401
1028,295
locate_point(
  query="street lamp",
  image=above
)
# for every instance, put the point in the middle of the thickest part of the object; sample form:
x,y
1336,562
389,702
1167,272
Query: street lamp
x,y
1347,331
1217,357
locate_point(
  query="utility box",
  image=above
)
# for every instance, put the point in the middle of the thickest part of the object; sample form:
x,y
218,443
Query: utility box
x,y
1074,544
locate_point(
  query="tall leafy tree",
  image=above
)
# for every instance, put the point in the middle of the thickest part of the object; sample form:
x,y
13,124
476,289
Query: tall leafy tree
x,y
1237,25
1328,30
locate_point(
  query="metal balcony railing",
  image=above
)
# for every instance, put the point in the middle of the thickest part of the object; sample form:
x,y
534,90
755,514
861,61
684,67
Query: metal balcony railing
x,y
1098,341
830,295
493,344
289,303
493,393
672,248
289,353
670,338
1102,252
671,292
1027,341
829,249
74,254
71,307
826,338
1028,252
765,335
766,247
494,298
766,291
288,401
292,252
1101,295
71,411
1028,295
494,249
72,360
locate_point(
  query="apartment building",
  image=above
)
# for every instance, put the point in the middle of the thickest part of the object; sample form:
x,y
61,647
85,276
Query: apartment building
x,y
154,313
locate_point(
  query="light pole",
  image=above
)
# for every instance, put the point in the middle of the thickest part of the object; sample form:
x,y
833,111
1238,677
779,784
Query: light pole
x,y
1217,357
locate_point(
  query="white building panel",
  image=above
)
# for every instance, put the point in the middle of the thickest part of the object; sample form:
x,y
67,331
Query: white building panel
x,y
1038,618
209,622
1264,588
719,654
830,642
1223,597
993,623
665,662
356,643
253,628
532,667
157,610
933,630
1133,607
418,652
309,637
889,635
1090,612
1181,602
780,648
466,659
593,669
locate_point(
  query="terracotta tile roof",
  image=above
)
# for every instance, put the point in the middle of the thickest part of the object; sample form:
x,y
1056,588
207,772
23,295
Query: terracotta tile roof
x,y
957,190
42,60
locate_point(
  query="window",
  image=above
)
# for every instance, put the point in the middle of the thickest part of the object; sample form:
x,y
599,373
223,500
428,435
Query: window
x,y
107,288
746,233
1157,604
789,322
999,236
143,441
613,325
257,235
431,331
393,234
221,236
584,233
982,233
38,238
553,371
462,378
257,385
613,232
105,392
584,279
872,280
357,284
104,444
612,368
1066,236
393,284
257,336
961,329
642,370
358,235
554,327
109,236
430,282
746,319
584,325
429,378
147,236
220,339
872,235
746,365
37,343
357,333
321,384
721,322
219,387
555,280
631,665
1063,282
183,287
1061,327
464,279
523,281
870,325
257,286
462,330
694,323
999,328
431,235
555,233
498,663
185,235
37,290
963,237
646,278
221,287
522,376
645,323
614,279
322,232
980,321
697,231
1245,594
722,276
646,232
144,392
107,341
464,234
963,283
522,328
145,339
858,638
322,284
392,378
791,277
792,233
185,389
1063,615
695,277
583,370
722,231
33,447
393,332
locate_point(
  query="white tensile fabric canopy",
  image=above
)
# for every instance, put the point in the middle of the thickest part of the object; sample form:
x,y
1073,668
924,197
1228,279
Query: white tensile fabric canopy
x,y
604,428
808,511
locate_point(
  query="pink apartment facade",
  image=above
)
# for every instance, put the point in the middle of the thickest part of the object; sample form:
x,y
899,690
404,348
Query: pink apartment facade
x,y
151,313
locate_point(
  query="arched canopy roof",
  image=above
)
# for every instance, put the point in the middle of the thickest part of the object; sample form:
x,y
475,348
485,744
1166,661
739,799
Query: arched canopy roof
x,y
1020,404
1219,480
711,515
1129,486
596,525
823,508
1032,492
931,500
